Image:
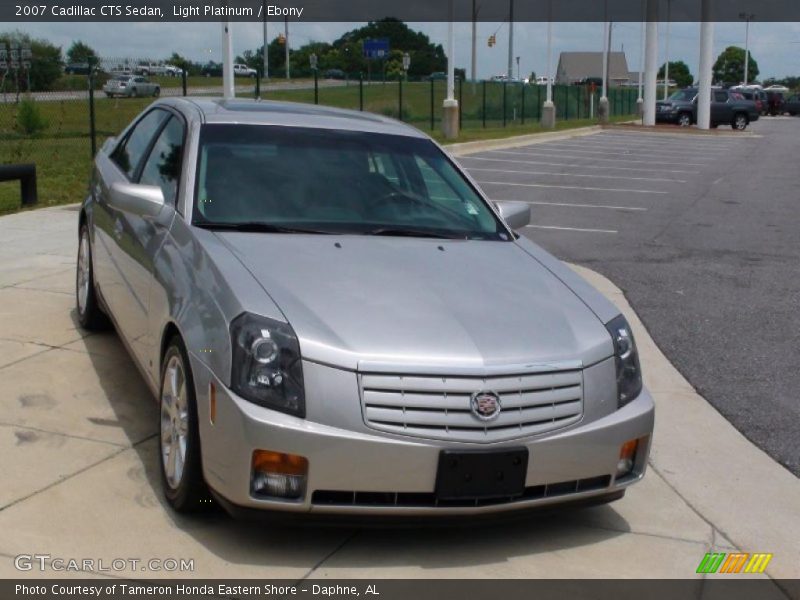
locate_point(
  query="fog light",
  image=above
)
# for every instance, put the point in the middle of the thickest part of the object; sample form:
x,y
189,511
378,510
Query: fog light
x,y
278,475
627,456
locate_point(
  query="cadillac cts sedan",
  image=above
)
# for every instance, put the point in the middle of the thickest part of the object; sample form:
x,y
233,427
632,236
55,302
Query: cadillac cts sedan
x,y
334,318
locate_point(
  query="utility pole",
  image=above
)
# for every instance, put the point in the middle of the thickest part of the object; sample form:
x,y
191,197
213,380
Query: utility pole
x,y
747,18
602,108
706,66
265,49
286,49
651,64
228,90
473,70
510,71
666,51
549,109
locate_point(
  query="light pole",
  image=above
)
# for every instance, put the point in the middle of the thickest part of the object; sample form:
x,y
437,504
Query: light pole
x,y
518,73
286,42
450,106
510,72
747,18
227,61
549,109
313,61
640,98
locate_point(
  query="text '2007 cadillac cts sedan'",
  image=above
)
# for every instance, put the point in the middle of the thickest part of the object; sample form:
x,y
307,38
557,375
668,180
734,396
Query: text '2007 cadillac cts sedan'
x,y
335,319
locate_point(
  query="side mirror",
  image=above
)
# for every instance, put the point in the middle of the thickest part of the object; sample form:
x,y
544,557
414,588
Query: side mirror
x,y
141,200
516,214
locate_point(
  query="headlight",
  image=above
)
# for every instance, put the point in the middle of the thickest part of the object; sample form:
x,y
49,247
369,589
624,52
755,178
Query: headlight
x,y
629,374
266,367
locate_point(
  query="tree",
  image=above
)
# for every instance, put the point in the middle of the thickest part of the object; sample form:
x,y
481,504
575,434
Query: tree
x,y
179,61
81,53
679,72
45,64
729,67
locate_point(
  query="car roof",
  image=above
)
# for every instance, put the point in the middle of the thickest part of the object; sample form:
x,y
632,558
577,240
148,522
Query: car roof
x,y
269,112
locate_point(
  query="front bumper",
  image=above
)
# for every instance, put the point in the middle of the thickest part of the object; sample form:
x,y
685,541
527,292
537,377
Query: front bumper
x,y
358,471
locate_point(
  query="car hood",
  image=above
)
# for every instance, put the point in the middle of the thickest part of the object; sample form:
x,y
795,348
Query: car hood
x,y
421,305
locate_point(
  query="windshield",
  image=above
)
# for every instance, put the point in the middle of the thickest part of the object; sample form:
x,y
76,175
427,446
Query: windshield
x,y
331,181
684,95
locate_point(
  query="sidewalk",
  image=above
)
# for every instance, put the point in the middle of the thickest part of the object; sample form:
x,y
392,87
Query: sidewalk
x,y
79,454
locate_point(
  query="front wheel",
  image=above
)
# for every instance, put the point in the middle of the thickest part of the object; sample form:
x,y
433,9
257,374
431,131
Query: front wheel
x,y
134,93
181,467
90,315
739,122
156,92
685,120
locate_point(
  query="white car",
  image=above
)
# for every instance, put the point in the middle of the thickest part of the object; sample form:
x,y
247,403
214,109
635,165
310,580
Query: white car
x,y
241,70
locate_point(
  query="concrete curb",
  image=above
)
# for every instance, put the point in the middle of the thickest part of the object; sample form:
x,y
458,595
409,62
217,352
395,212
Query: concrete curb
x,y
733,485
464,148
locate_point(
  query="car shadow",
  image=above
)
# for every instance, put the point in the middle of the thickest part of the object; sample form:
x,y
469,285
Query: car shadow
x,y
430,545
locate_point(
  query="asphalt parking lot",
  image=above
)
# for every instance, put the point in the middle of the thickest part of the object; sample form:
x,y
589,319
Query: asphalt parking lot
x,y
78,435
700,232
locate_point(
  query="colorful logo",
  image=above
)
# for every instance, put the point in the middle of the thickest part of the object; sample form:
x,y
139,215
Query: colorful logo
x,y
734,562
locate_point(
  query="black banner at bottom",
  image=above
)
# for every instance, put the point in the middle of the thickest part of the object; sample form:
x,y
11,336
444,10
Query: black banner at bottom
x,y
108,588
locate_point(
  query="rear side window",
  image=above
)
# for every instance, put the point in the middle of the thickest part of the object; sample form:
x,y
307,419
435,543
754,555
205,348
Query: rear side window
x,y
163,166
720,97
129,154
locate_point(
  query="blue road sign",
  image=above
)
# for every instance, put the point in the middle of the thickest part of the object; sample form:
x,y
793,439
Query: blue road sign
x,y
378,48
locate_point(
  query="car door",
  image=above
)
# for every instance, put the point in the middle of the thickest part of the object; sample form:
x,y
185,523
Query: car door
x,y
121,165
721,111
144,235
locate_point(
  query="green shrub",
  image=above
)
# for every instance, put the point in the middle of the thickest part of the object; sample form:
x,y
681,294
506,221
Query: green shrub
x,y
29,118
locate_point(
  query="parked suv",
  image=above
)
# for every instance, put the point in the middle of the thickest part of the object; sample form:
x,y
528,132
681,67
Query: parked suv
x,y
241,70
727,108
792,105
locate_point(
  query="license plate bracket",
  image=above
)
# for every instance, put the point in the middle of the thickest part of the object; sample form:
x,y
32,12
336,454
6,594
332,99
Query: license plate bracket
x,y
481,474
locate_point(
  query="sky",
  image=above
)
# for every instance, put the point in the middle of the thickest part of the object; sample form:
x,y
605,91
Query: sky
x,y
776,46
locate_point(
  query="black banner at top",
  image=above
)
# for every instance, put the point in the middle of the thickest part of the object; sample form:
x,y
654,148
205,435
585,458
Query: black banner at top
x,y
406,10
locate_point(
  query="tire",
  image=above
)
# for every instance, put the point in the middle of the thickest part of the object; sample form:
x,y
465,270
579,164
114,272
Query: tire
x,y
685,120
179,435
156,92
740,122
90,315
134,93
109,95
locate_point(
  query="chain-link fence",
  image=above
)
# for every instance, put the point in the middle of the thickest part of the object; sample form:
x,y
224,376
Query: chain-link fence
x,y
58,126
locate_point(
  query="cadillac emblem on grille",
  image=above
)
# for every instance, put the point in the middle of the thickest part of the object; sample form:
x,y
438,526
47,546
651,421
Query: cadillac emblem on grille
x,y
485,405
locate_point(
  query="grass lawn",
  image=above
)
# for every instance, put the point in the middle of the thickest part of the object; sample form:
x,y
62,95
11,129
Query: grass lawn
x,y
61,151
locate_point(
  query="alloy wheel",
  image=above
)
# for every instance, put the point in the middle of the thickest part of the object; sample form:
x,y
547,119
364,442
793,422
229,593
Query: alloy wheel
x,y
84,272
174,421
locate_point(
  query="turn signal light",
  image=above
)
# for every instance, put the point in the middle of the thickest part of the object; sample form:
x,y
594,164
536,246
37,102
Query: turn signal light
x,y
278,475
627,456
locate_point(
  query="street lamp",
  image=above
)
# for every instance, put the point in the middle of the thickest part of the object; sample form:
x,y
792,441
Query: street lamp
x,y
518,73
747,17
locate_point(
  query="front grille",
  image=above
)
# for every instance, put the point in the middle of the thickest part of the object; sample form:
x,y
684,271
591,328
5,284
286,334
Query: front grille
x,y
439,407
429,500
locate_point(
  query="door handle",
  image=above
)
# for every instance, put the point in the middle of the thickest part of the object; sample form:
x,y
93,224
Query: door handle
x,y
117,229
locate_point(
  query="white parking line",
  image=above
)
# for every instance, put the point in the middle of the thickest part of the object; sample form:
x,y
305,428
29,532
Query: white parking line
x,y
664,179
573,187
671,139
617,148
574,166
570,205
623,160
572,229
615,152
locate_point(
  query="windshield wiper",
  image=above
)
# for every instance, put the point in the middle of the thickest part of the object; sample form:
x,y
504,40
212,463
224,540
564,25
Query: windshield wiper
x,y
257,227
410,232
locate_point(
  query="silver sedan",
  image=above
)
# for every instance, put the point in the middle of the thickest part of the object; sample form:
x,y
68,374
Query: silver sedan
x,y
334,318
131,86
